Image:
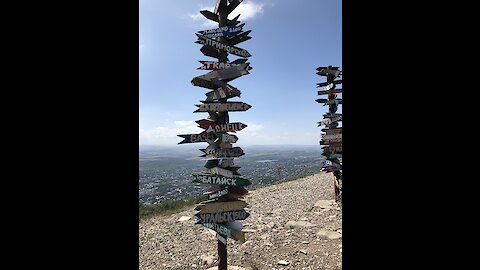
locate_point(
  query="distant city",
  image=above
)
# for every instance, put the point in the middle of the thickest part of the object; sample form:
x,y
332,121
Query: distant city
x,y
166,172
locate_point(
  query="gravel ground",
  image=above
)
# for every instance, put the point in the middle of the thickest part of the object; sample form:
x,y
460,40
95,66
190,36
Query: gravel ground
x,y
292,225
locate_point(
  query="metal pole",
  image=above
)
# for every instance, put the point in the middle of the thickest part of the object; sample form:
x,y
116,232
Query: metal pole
x,y
222,21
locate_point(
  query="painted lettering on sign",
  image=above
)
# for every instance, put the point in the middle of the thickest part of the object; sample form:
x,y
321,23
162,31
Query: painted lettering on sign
x,y
222,46
222,217
220,93
219,153
195,138
220,171
217,194
226,231
210,126
220,180
212,65
222,107
225,31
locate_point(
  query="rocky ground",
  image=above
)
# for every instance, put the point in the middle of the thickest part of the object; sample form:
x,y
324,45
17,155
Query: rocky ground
x,y
292,225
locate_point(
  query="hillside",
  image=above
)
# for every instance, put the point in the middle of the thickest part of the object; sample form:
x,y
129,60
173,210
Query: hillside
x,y
293,225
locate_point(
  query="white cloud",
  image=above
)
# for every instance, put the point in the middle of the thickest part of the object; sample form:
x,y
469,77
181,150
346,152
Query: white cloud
x,y
247,9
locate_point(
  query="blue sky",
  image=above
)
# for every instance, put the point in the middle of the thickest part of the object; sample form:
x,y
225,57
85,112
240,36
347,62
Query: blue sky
x,y
290,39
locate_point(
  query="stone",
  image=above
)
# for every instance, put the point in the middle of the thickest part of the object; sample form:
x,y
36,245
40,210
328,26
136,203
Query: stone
x,y
323,234
208,260
326,204
304,251
184,218
298,224
305,242
283,262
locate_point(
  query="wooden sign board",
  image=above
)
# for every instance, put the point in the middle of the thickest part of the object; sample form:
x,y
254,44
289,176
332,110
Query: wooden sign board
x,y
326,72
221,171
239,38
222,93
195,138
332,130
329,121
332,149
210,51
222,217
327,83
331,91
224,31
223,153
211,126
335,136
226,231
226,74
233,4
225,138
212,65
216,194
329,101
214,17
213,179
222,107
330,141
332,115
328,67
200,82
222,46
213,207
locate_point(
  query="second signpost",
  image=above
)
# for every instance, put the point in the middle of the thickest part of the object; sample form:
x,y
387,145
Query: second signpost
x,y
223,208
332,138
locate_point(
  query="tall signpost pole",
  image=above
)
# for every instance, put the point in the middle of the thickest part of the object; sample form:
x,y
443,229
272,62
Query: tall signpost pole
x,y
332,138
223,207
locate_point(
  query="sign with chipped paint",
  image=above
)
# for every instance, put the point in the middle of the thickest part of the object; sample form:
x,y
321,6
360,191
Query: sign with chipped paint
x,y
224,31
223,153
221,93
222,46
222,107
226,231
211,126
214,206
195,138
213,179
222,217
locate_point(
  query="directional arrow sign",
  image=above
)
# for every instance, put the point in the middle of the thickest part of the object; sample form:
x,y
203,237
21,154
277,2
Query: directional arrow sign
x,y
233,4
332,130
221,171
327,83
239,38
329,121
329,67
326,72
331,155
227,127
225,138
212,65
207,178
213,207
214,17
195,138
330,141
222,107
329,101
331,115
333,148
331,91
197,81
230,73
225,31
222,46
210,51
332,136
223,153
221,93
222,217
226,231
216,194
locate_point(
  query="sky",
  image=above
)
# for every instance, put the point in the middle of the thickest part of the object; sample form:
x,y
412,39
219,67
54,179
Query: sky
x,y
290,39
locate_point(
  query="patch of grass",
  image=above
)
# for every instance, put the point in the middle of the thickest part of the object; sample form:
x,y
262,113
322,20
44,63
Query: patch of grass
x,y
166,207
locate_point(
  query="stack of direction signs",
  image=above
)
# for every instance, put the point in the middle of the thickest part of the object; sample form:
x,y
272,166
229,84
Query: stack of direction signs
x,y
223,208
332,138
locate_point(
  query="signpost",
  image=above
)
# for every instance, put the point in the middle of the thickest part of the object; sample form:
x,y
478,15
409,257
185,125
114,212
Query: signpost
x,y
221,212
332,139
